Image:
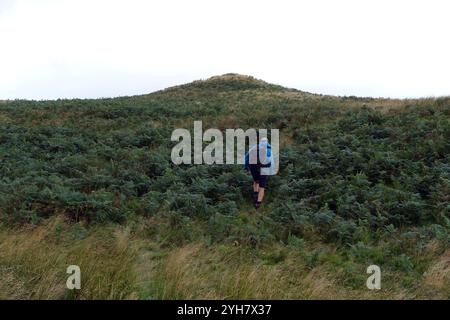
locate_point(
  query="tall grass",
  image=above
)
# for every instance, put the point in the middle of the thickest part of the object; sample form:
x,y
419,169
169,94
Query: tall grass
x,y
126,262
34,260
197,271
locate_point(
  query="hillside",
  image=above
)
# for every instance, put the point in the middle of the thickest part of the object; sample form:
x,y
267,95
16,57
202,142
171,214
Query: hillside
x,y
362,181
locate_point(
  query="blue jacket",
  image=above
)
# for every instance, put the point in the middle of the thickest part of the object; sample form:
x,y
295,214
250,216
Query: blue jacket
x,y
268,155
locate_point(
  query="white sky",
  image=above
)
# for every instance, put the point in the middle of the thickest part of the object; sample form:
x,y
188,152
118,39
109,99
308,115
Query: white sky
x,y
101,48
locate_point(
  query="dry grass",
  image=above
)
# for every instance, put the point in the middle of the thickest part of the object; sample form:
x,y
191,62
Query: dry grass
x,y
390,105
199,272
33,263
438,276
121,262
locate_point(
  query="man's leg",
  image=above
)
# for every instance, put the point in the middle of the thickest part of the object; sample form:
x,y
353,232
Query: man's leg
x,y
261,194
255,176
262,188
255,190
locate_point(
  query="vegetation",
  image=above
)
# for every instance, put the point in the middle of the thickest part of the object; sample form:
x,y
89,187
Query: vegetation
x,y
362,181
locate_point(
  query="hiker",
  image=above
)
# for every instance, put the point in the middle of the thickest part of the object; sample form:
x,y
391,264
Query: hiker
x,y
259,161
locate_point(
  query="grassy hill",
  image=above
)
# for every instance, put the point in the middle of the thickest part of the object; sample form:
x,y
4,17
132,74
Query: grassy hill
x,y
89,182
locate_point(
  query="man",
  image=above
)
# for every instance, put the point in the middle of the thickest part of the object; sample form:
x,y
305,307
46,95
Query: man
x,y
259,161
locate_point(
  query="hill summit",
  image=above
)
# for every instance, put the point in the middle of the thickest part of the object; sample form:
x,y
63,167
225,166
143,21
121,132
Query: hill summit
x,y
230,82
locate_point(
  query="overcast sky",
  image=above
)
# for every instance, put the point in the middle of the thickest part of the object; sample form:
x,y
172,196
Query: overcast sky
x,y
101,48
